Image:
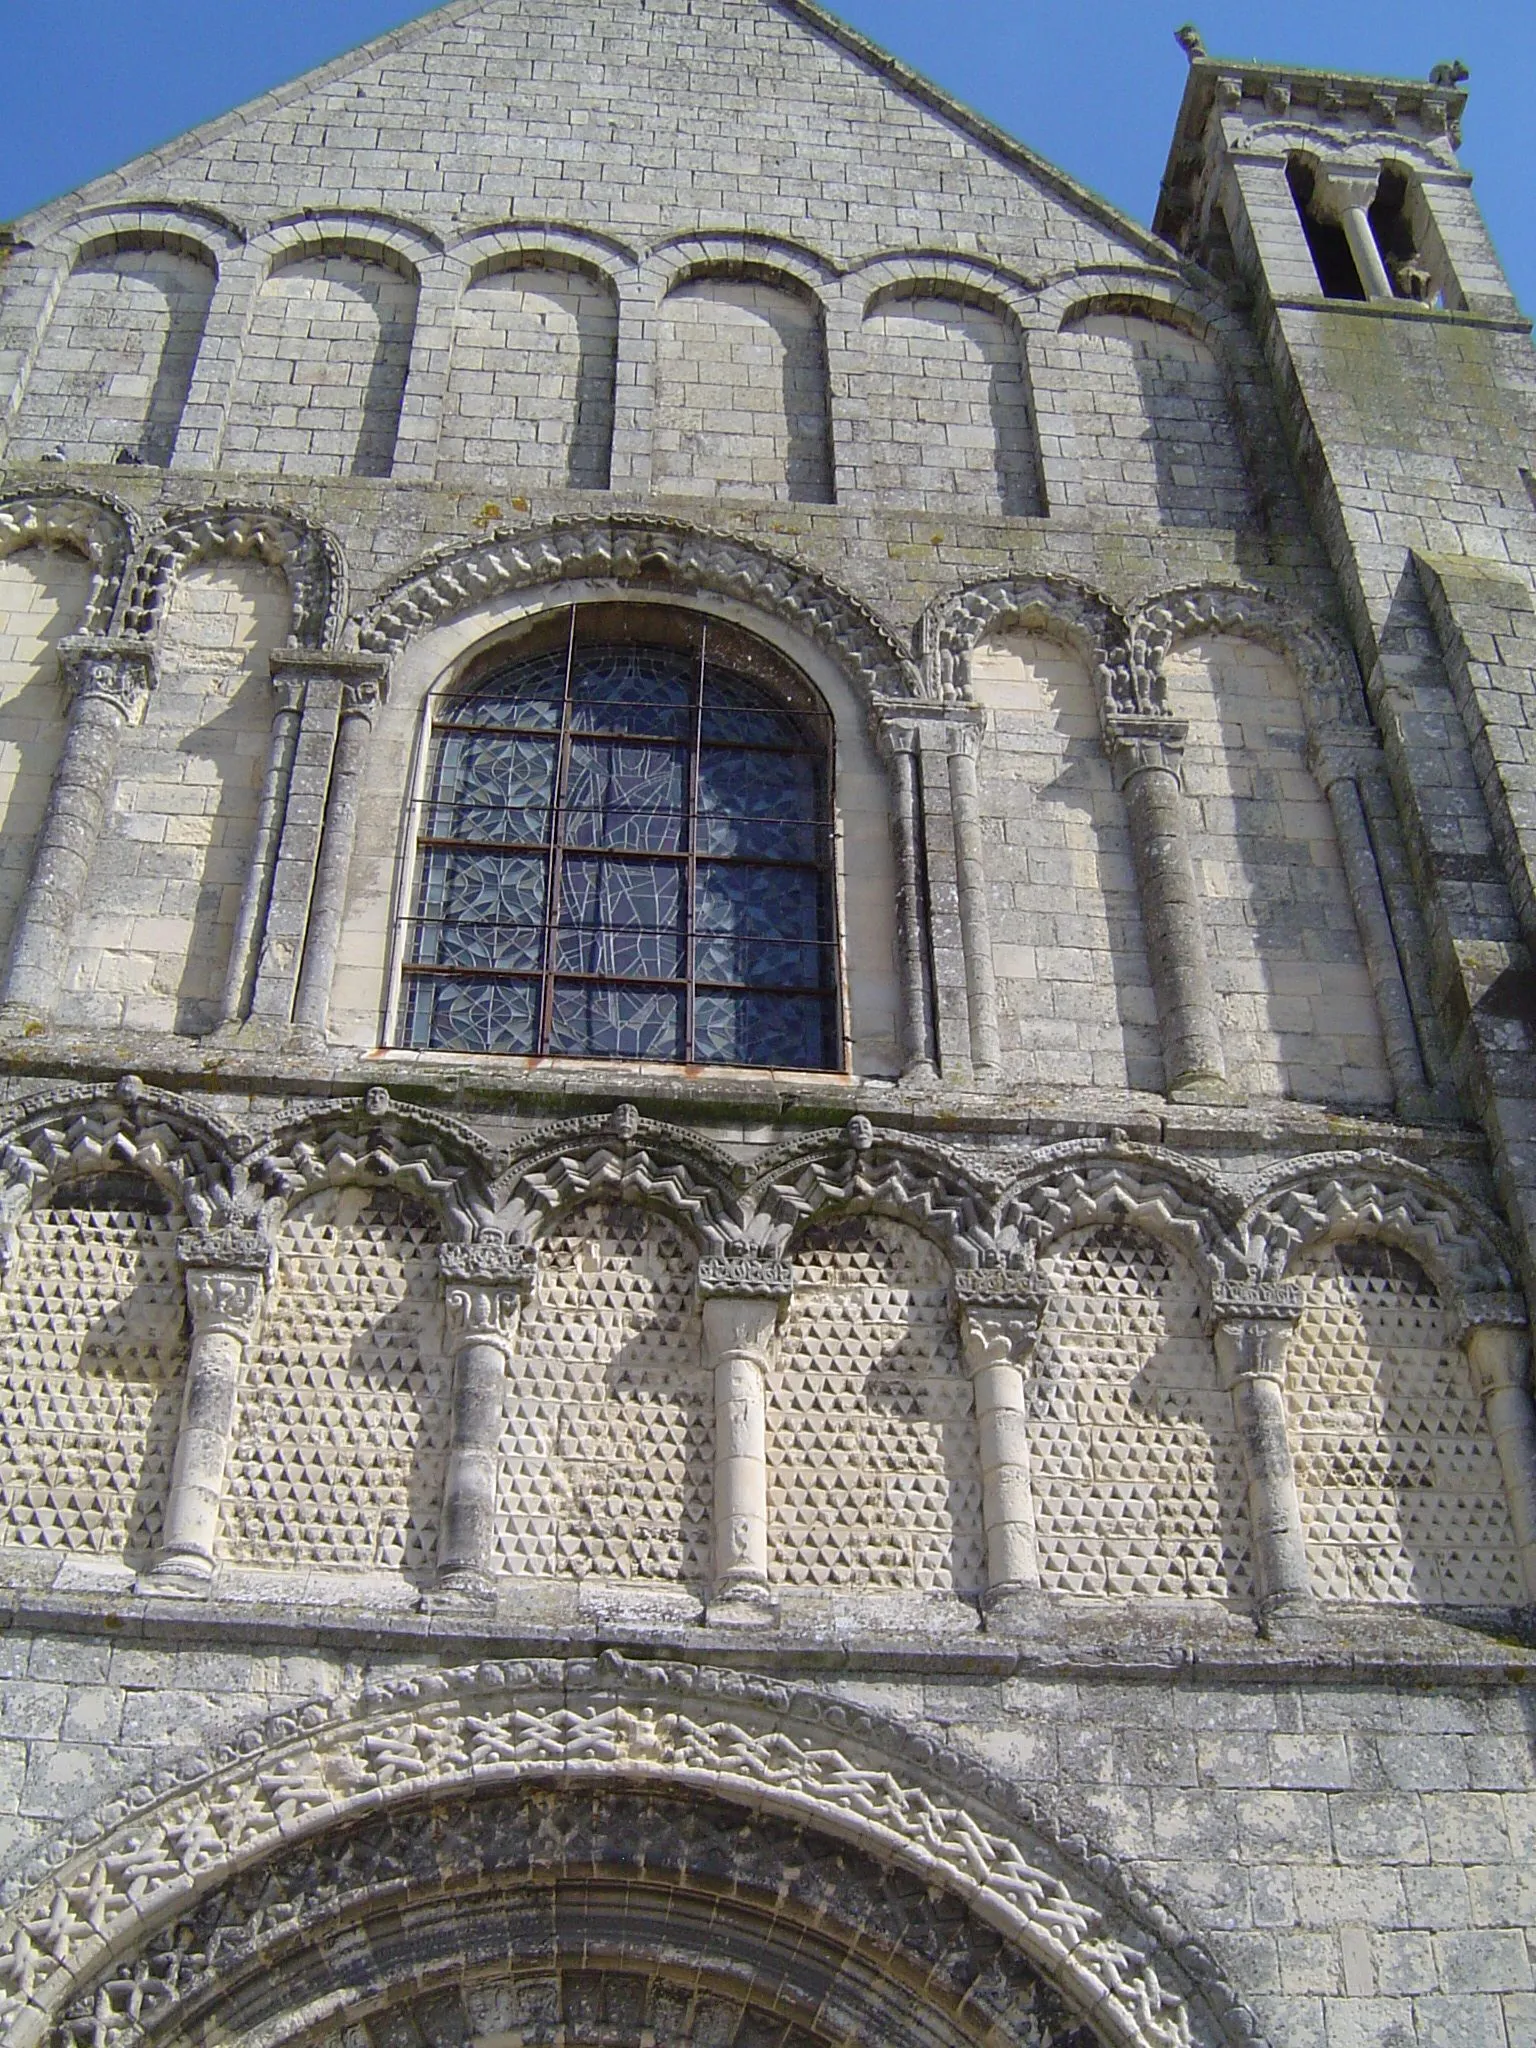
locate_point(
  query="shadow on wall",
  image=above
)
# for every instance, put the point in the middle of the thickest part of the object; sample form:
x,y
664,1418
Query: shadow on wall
x,y
946,399
323,375
1286,957
116,362
742,391
1151,424
531,387
43,594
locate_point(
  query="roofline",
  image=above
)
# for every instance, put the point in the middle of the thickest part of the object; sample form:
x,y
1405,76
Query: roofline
x,y
130,178
988,133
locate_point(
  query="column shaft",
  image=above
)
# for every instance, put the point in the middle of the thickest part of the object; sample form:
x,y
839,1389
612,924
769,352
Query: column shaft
x,y
1400,1037
240,973
1356,223
485,1285
916,990
1499,1354
312,1003
1000,1313
740,1303
226,1287
1193,1060
975,912
111,682
1250,1348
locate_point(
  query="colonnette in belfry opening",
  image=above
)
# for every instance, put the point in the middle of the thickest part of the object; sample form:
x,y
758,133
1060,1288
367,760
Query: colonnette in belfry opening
x,y
767,1119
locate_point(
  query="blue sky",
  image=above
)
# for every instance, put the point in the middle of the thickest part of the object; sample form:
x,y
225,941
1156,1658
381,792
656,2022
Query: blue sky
x,y
1093,85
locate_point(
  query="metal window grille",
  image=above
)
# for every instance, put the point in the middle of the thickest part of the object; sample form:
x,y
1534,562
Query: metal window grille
x,y
624,851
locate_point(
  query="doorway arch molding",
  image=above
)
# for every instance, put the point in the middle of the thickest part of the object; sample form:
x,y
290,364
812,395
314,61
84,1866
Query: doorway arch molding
x,y
93,1905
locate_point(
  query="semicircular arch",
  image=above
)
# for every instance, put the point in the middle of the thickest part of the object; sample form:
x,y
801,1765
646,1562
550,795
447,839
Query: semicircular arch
x,y
300,1784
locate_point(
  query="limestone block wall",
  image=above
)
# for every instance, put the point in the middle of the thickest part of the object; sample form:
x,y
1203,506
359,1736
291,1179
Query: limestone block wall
x,y
44,593
1074,987
530,389
117,360
152,943
324,369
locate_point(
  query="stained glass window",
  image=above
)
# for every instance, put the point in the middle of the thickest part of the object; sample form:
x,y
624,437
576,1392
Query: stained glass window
x,y
624,852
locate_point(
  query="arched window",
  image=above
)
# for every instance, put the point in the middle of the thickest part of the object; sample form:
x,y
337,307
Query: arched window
x,y
624,852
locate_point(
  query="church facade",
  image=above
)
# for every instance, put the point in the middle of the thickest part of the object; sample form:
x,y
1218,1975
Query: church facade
x,y
767,1125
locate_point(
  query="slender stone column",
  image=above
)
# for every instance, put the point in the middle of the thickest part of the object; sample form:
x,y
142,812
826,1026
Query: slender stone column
x,y
964,737
362,694
110,681
1336,769
741,1300
900,740
1346,196
1252,1325
1147,756
1000,1313
485,1285
1497,1342
256,896
226,1277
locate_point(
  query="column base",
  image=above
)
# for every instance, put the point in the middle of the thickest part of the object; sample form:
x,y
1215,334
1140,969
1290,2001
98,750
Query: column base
x,y
185,1576
1017,1611
1213,1089
746,1604
457,1590
1285,1617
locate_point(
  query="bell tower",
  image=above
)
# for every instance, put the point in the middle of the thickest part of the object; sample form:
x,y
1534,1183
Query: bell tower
x,y
1338,206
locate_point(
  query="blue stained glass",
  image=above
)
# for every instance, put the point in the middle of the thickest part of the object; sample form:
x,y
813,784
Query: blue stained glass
x,y
762,806
761,1031
494,789
759,927
625,798
472,1016
529,696
622,918
595,773
735,713
480,910
641,690
617,1023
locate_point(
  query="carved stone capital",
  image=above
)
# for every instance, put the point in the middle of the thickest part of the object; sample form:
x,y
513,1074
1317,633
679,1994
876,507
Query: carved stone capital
x,y
1137,744
247,1250
909,730
1343,756
492,1261
119,672
1344,188
1001,1308
484,1287
225,1301
1255,1301
999,1287
746,1278
1503,1310
363,679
